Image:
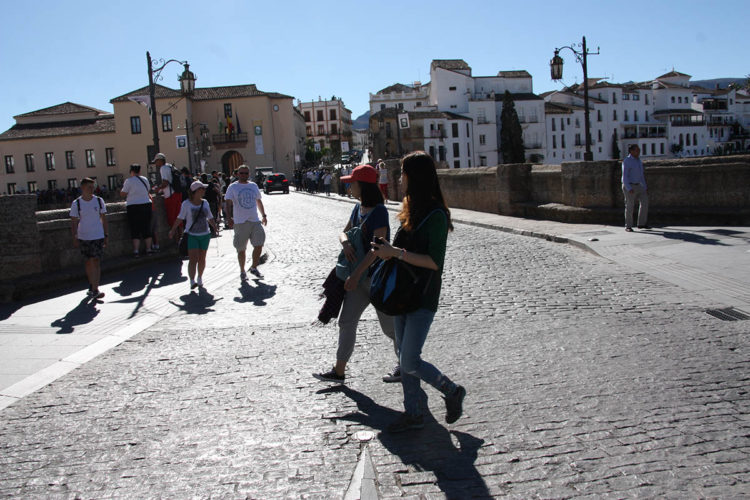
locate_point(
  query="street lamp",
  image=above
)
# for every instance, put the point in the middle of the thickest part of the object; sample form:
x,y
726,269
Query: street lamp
x,y
187,85
556,71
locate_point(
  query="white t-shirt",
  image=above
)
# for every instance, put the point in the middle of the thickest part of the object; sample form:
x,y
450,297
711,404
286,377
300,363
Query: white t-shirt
x,y
383,175
189,213
136,189
166,175
244,201
90,224
327,179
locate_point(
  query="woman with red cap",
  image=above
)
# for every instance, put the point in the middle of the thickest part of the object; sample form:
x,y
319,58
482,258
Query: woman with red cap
x,y
371,216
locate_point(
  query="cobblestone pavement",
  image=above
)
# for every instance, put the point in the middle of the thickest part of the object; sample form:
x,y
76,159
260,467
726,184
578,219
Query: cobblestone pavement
x,y
585,379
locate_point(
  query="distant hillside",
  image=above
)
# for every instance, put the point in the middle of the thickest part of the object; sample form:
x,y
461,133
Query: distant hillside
x,y
721,82
363,121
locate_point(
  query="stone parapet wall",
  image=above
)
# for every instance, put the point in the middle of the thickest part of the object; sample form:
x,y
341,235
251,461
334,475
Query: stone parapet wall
x,y
19,237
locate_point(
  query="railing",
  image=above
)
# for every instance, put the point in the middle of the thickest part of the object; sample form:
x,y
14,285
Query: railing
x,y
228,138
482,121
688,123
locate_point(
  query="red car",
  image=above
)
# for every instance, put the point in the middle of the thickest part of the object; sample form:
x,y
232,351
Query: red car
x,y
276,182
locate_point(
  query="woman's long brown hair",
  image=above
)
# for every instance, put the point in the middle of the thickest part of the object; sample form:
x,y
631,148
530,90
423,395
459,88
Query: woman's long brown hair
x,y
423,192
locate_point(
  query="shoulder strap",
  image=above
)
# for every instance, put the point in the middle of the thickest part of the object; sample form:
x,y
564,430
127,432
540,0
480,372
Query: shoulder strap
x,y
78,204
101,207
200,211
427,217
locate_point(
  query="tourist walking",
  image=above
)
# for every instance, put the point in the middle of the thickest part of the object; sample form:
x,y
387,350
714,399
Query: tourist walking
x,y
634,188
168,188
137,193
420,242
243,200
383,179
88,216
371,216
196,217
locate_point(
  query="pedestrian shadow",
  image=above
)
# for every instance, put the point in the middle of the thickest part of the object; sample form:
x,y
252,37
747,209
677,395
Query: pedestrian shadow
x,y
686,237
257,294
429,449
83,313
164,274
197,302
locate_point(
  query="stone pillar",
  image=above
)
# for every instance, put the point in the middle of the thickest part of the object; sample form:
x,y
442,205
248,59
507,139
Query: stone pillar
x,y
514,186
588,184
20,251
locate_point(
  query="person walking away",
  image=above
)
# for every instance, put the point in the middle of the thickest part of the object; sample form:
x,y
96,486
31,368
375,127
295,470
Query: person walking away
x,y
383,179
213,195
243,202
371,215
424,248
196,217
172,197
136,191
185,181
88,225
327,182
634,188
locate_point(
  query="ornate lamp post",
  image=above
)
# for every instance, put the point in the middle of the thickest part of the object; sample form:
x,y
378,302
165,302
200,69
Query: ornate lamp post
x,y
556,67
187,85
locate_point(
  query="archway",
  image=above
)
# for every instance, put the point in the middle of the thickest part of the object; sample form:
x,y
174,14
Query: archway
x,y
230,161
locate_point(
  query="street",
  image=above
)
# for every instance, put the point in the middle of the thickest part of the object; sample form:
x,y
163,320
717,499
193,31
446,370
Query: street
x,y
585,379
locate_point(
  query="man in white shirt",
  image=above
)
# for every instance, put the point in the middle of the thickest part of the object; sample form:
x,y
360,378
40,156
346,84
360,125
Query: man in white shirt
x,y
243,202
88,224
172,198
634,188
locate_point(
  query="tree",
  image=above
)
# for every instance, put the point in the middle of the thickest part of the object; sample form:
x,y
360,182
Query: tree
x,y
511,135
615,146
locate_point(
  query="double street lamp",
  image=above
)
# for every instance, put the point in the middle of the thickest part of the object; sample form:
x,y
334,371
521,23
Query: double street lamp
x,y
556,71
187,85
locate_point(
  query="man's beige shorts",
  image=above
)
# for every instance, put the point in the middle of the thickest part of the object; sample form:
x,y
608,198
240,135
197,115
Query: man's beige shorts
x,y
248,230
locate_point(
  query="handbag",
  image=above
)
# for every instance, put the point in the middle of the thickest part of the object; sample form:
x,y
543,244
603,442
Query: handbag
x,y
397,287
356,236
182,245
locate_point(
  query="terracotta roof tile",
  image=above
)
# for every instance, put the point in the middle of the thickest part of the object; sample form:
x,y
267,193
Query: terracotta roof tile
x,y
61,109
101,125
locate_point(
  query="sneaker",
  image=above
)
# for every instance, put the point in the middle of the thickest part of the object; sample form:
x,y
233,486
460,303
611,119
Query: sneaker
x,y
454,404
150,251
406,422
199,281
193,284
243,276
136,255
89,292
629,229
96,294
394,376
155,248
254,271
330,376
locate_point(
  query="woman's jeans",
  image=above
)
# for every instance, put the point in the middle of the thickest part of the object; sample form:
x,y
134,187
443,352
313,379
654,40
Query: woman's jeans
x,y
411,333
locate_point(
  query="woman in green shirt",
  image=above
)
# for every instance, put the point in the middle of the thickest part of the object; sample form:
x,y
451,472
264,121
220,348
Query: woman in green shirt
x,y
424,247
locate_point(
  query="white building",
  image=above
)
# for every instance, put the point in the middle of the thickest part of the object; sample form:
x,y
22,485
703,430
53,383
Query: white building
x,y
327,122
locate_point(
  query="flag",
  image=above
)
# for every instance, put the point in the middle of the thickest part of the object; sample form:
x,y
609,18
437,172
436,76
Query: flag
x,y
143,100
237,119
221,125
229,124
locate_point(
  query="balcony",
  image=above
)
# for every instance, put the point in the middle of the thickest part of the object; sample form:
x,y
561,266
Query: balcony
x,y
680,122
229,138
436,134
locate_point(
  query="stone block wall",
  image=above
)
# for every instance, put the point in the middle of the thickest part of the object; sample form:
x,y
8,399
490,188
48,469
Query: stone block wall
x,y
20,250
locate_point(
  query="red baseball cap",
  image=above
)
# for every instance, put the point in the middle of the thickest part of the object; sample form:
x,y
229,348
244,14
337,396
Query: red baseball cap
x,y
362,173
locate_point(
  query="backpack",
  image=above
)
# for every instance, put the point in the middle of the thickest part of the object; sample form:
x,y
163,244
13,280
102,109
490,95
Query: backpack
x,y
78,205
211,195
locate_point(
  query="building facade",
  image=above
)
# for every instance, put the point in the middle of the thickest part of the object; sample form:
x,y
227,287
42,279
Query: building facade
x,y
328,123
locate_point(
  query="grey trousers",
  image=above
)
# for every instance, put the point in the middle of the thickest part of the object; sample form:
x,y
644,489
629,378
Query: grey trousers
x,y
355,303
640,195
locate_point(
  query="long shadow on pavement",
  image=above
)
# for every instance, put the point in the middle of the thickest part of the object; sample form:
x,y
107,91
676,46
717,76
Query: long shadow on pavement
x,y
257,295
686,237
199,302
147,279
428,449
83,313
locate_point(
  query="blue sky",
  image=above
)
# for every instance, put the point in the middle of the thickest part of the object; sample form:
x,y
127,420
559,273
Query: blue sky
x,y
91,51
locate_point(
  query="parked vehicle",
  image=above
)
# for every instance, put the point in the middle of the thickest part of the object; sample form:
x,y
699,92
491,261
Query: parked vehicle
x,y
276,182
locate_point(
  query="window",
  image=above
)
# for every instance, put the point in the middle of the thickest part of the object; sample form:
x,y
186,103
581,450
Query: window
x,y
382,107
695,139
562,124
554,142
636,97
320,115
457,164
321,129
113,182
482,139
578,155
625,97
419,104
110,153
627,117
166,123
9,164
32,187
454,129
645,98
562,141
388,129
72,183
635,115
227,110
614,98
52,184
456,150
135,124
646,115
432,151
578,123
453,106
553,125
451,88
332,114
578,139
49,161
673,99
687,140
653,148
598,115
568,121
468,150
400,105
90,158
29,157
614,114
307,116
11,188
467,130
308,130
482,161
599,135
70,160
679,99
441,153
334,128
